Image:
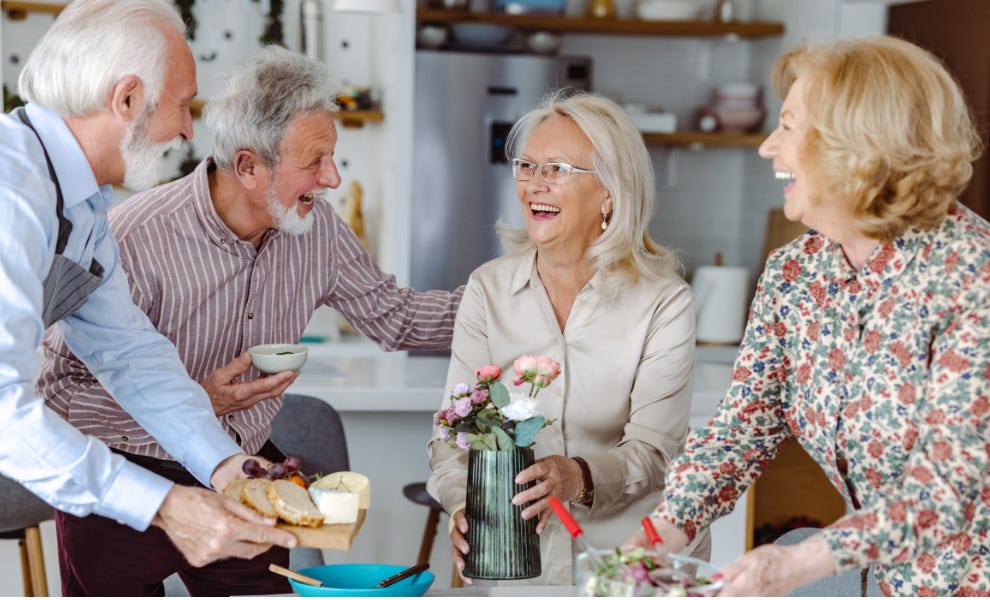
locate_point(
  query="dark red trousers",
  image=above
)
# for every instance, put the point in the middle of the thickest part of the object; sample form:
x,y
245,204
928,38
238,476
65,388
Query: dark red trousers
x,y
100,557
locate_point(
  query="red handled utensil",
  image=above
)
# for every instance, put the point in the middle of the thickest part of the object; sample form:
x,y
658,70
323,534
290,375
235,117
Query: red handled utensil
x,y
575,530
652,535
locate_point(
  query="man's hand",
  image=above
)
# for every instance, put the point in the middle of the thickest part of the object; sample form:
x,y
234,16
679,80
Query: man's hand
x,y
206,526
228,395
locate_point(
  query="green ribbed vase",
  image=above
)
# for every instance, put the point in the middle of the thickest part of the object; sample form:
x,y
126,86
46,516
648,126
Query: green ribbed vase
x,y
503,545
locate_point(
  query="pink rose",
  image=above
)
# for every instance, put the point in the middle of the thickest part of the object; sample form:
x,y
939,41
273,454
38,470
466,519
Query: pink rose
x,y
525,367
479,396
488,373
549,369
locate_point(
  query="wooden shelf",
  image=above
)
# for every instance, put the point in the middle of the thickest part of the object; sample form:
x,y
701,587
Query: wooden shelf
x,y
747,29
708,140
17,11
347,118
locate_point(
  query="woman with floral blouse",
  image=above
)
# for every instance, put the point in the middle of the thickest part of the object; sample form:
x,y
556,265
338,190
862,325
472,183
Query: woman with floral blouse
x,y
869,337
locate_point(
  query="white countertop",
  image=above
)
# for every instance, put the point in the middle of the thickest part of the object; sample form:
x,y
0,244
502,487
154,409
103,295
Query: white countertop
x,y
397,382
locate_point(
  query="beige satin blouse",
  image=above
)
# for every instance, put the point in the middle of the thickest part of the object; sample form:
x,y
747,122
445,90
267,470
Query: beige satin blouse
x,y
622,399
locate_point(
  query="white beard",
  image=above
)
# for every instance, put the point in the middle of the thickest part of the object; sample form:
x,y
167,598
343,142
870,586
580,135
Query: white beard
x,y
142,157
286,219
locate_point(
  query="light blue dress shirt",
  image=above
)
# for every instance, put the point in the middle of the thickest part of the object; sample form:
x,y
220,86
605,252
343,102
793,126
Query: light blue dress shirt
x,y
140,367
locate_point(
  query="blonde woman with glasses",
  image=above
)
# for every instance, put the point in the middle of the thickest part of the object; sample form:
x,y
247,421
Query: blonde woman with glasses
x,y
585,285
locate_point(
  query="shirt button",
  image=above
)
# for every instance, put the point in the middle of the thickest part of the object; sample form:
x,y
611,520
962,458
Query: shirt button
x,y
230,417
124,437
250,315
223,240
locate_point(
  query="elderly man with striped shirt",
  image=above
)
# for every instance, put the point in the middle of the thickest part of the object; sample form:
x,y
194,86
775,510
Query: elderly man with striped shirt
x,y
238,253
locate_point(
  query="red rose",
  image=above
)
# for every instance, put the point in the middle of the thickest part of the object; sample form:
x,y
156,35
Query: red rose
x,y
791,270
927,518
874,478
935,417
898,512
813,245
981,406
961,542
900,351
814,330
951,261
836,359
922,474
727,468
926,562
779,329
818,292
875,448
910,437
886,307
872,341
927,591
851,409
942,450
741,374
804,373
727,494
879,262
953,361
854,287
906,394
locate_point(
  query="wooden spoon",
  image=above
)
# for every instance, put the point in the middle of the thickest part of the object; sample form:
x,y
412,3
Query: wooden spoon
x,y
293,575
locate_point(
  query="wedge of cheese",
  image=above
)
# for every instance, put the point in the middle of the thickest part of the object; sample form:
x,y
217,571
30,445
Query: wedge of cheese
x,y
347,481
338,507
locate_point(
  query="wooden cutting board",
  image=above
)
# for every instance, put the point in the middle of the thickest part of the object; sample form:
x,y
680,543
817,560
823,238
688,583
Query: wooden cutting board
x,y
331,537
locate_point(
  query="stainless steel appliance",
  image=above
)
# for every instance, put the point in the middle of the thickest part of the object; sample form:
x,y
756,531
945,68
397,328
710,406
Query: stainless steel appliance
x,y
465,105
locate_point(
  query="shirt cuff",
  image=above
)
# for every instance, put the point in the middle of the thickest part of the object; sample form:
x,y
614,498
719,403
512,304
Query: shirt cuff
x,y
135,496
450,519
206,451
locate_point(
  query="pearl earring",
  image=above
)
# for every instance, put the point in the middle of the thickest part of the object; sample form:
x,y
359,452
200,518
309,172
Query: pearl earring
x,y
605,219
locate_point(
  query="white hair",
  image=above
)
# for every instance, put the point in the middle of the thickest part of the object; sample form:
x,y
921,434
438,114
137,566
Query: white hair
x,y
92,45
625,251
263,96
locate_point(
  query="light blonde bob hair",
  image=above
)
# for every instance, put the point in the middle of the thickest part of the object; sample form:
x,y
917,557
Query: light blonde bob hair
x,y
625,251
889,130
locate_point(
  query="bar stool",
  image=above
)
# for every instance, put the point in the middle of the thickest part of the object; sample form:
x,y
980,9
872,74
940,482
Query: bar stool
x,y
20,514
418,494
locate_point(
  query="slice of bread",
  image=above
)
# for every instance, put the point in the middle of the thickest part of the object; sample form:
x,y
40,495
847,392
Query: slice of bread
x,y
293,504
255,495
235,488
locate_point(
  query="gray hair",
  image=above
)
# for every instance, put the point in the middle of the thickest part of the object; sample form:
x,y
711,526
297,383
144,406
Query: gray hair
x,y
625,251
263,96
91,46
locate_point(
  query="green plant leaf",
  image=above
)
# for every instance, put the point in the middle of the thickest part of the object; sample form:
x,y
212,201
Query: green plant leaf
x,y
485,441
526,431
504,441
499,395
490,421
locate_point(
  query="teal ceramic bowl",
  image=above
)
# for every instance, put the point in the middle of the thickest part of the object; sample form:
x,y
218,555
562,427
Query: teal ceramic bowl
x,y
360,580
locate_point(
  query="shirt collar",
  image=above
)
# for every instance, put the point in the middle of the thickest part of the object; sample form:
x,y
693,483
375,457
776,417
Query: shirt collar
x,y
885,264
75,175
526,274
218,231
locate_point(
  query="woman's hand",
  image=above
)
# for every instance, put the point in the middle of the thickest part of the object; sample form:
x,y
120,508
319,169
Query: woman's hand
x,y
673,538
458,543
554,475
775,570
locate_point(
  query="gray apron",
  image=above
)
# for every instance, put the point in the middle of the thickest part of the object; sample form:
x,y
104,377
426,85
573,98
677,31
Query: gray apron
x,y
68,284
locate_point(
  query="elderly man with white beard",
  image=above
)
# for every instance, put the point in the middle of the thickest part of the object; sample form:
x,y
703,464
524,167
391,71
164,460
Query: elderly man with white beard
x,y
239,252
108,87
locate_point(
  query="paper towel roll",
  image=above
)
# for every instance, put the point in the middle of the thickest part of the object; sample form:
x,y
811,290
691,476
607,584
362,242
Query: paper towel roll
x,y
720,295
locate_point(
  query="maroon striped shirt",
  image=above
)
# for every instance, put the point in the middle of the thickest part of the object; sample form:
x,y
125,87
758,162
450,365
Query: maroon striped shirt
x,y
214,296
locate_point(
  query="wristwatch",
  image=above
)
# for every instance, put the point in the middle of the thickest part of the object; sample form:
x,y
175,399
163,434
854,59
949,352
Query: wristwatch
x,y
587,493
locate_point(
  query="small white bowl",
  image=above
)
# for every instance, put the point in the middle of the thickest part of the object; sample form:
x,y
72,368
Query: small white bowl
x,y
431,36
543,42
667,10
273,358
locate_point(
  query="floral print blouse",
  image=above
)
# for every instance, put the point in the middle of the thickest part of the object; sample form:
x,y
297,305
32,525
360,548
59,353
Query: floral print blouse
x,y
883,376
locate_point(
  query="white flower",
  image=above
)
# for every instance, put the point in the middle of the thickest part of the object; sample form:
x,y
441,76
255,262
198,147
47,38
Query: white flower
x,y
521,407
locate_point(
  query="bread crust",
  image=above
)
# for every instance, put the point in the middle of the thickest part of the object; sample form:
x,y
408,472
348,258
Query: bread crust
x,y
293,504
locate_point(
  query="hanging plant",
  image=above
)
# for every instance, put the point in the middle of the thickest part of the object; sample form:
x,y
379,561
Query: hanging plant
x,y
274,33
186,10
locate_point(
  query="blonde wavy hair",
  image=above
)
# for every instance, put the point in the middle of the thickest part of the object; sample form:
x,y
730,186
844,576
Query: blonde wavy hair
x,y
625,251
890,130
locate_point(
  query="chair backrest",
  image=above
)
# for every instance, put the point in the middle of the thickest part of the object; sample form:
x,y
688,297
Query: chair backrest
x,y
311,429
19,508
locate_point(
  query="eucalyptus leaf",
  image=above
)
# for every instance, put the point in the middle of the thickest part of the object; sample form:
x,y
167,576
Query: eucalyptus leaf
x,y
491,422
526,431
499,395
504,441
485,441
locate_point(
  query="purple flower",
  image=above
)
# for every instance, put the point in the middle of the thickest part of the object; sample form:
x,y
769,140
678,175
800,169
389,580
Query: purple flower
x,y
460,390
462,440
444,434
463,407
479,396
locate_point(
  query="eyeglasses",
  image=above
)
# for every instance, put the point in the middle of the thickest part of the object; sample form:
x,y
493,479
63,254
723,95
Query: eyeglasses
x,y
555,173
